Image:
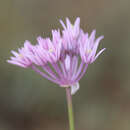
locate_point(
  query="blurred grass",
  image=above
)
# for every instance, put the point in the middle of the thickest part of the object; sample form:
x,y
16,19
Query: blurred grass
x,y
29,102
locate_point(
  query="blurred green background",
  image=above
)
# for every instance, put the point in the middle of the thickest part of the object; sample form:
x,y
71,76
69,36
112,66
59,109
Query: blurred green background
x,y
29,102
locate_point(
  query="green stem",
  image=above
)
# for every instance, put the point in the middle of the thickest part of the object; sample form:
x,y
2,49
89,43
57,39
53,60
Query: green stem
x,y
70,108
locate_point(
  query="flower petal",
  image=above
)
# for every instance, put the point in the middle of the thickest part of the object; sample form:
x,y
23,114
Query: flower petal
x,y
67,63
62,23
99,54
75,88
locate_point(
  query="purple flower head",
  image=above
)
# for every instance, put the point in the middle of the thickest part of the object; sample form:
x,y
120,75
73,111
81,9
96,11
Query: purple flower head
x,y
64,58
50,50
88,47
21,58
71,35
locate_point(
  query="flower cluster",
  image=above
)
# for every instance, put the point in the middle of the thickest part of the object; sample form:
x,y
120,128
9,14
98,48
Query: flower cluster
x,y
64,58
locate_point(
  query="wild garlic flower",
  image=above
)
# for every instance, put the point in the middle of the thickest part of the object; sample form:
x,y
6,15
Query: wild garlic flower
x,y
64,58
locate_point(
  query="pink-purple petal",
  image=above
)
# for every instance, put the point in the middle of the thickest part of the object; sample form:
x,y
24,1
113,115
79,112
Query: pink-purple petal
x,y
99,53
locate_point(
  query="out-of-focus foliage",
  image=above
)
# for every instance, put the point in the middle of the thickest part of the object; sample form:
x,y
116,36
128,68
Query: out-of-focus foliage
x,y
29,102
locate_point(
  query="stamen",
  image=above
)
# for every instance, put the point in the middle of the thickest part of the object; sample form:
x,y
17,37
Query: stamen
x,y
72,26
21,56
88,51
50,50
